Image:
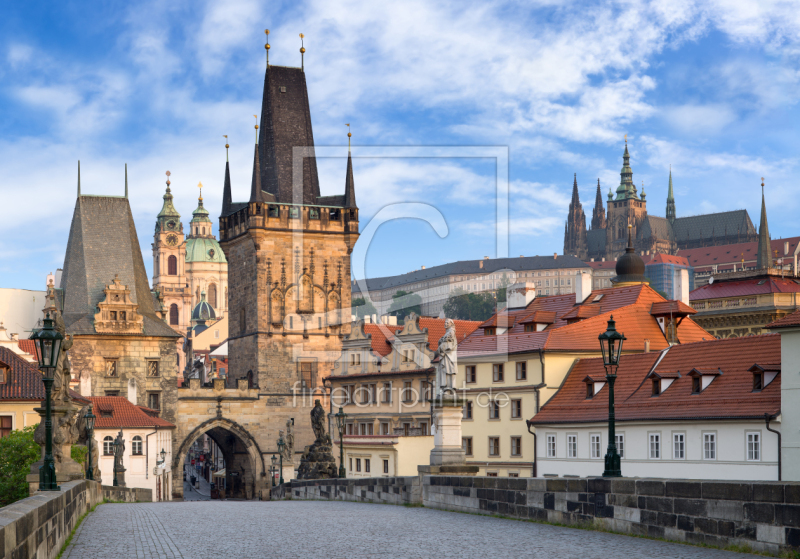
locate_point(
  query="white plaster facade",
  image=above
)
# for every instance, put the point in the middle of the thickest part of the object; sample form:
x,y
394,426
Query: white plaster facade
x,y
790,396
140,462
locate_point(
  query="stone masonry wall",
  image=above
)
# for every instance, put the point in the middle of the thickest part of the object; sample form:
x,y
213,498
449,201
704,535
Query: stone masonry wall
x,y
762,515
39,525
386,490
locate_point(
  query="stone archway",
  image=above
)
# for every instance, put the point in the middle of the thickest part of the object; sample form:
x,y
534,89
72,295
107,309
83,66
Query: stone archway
x,y
246,473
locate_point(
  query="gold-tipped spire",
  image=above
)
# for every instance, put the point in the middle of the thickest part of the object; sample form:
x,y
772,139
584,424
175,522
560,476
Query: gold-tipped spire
x,y
168,183
266,45
762,186
256,117
200,186
349,135
227,145
302,52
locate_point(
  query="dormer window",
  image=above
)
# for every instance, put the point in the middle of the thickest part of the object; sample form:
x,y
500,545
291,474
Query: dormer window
x,y
656,386
3,373
696,385
593,386
758,382
662,381
589,391
490,331
764,374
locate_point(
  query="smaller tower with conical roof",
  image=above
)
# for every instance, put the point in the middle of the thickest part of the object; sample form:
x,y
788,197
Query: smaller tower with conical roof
x,y
206,265
670,200
764,259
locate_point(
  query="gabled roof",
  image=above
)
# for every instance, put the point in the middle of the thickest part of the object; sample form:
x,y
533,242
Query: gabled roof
x,y
24,381
658,227
669,259
730,396
788,321
674,308
708,226
702,259
539,317
124,414
382,335
745,287
103,243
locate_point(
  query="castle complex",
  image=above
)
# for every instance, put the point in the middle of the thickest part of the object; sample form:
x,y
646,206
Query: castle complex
x,y
608,235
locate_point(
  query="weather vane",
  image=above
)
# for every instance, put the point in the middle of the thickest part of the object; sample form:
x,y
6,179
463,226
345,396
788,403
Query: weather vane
x,y
256,117
227,145
168,175
349,135
302,52
200,186
266,45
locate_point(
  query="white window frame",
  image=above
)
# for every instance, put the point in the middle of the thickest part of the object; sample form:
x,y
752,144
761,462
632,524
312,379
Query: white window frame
x,y
756,455
709,445
654,438
572,445
619,439
595,445
550,445
679,437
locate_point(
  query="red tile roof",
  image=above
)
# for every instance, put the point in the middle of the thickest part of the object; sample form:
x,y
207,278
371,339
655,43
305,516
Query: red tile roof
x,y
123,414
702,259
788,321
502,320
28,346
675,308
24,380
730,395
745,287
436,329
539,317
669,259
630,306
380,334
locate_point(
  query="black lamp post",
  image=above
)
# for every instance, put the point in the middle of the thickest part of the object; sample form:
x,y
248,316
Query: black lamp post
x,y
115,444
89,417
273,469
163,454
48,346
281,445
611,346
340,419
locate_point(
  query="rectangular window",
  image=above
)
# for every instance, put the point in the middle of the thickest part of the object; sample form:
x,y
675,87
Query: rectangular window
x,y
111,367
753,447
366,465
154,400
678,446
655,446
594,443
358,464
307,380
513,474
494,410
696,383
620,441
152,368
387,393
350,431
385,466
468,410
355,359
136,446
522,370
472,376
5,425
656,387
466,444
494,446
373,393
516,409
709,446
423,428
348,394
112,392
516,446
408,395
551,446
406,429
427,390
589,390
497,372
758,382
572,446
384,428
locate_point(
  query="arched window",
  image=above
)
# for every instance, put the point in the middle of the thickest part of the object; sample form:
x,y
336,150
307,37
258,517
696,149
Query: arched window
x,y
136,445
173,314
204,230
249,379
172,265
212,295
108,446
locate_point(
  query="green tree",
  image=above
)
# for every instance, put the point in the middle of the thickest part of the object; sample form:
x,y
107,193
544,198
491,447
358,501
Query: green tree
x,y
17,452
462,305
404,303
361,307
501,291
78,453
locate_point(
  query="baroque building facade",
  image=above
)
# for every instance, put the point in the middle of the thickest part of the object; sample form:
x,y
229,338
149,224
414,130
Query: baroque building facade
x,y
607,238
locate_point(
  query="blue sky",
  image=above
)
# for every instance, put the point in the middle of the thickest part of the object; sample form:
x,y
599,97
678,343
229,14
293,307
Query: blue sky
x,y
709,87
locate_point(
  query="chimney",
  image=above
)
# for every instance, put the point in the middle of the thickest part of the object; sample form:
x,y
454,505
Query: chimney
x,y
480,264
423,267
583,287
604,259
555,255
681,283
520,295
591,260
786,248
647,346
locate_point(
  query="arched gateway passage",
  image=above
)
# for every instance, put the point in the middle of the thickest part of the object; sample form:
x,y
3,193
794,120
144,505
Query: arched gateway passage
x,y
244,464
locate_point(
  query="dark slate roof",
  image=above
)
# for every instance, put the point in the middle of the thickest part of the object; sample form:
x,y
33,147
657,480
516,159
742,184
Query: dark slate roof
x,y
473,267
596,240
102,244
337,200
657,227
719,224
285,124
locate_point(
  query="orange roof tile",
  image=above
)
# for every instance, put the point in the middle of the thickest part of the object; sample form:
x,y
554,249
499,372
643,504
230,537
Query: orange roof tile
x,y
381,333
745,287
675,308
788,321
669,259
436,329
123,414
730,395
539,317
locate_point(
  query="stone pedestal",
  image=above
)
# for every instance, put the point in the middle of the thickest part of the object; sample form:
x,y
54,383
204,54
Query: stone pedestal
x,y
120,477
447,449
63,419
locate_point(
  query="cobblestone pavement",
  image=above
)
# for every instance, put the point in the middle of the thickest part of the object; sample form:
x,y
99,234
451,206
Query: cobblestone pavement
x,y
289,529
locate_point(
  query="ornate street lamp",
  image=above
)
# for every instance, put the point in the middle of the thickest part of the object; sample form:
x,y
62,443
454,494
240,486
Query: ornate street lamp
x,y
273,469
163,454
48,346
340,419
611,346
115,444
281,446
89,417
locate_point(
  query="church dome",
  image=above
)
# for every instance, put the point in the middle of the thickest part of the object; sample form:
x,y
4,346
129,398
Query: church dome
x,y
630,266
203,311
204,249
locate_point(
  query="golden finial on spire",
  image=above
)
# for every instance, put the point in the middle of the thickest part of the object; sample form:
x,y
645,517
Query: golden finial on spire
x,y
256,117
349,135
302,51
626,138
200,186
266,45
168,183
227,145
762,186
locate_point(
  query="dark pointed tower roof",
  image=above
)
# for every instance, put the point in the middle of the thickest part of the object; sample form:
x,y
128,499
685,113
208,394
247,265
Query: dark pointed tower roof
x,y
626,188
285,125
349,185
764,259
256,195
599,211
630,266
670,200
227,197
575,198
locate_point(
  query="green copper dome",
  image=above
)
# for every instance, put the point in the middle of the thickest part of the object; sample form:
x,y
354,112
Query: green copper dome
x,y
168,218
200,215
204,249
626,188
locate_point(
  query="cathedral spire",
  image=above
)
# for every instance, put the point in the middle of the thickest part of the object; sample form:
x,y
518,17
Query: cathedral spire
x,y
764,254
256,194
599,212
349,185
575,197
670,200
626,189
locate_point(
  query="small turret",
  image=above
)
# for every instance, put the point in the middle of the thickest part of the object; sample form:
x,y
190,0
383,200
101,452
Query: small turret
x,y
670,200
764,259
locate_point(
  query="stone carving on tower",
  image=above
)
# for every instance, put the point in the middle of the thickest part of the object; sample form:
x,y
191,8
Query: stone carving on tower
x,y
118,313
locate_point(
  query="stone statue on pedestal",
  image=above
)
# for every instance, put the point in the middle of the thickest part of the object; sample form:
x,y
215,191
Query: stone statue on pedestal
x,y
288,439
119,452
317,461
447,367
